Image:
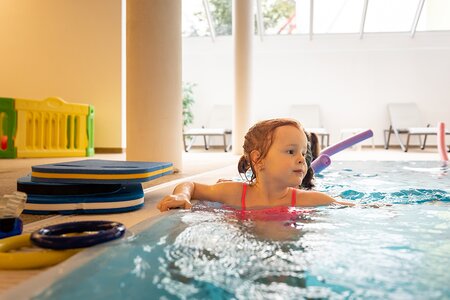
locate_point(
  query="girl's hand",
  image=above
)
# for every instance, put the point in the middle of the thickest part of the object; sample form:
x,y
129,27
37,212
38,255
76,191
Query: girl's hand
x,y
174,201
375,205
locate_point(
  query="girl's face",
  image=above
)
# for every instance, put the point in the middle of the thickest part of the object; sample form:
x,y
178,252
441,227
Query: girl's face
x,y
285,161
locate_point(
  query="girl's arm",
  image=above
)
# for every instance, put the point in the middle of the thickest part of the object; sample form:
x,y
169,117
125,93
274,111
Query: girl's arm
x,y
180,198
225,192
313,198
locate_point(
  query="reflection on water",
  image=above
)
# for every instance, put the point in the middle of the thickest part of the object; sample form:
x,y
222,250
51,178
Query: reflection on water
x,y
399,251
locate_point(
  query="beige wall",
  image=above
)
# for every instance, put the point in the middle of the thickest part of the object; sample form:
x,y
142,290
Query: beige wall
x,y
65,48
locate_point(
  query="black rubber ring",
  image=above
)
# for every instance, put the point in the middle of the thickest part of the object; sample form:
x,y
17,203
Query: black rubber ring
x,y
51,237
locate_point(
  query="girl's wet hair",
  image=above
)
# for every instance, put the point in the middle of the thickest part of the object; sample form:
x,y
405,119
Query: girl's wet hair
x,y
315,145
260,137
311,155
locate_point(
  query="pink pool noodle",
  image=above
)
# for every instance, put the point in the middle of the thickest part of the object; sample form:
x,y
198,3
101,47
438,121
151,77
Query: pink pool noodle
x,y
442,147
344,144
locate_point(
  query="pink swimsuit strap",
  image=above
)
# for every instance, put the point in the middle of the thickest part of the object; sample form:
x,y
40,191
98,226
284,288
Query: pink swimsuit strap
x,y
244,192
294,197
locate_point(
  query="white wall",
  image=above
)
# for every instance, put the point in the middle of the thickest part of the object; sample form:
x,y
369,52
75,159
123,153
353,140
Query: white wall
x,y
69,49
351,79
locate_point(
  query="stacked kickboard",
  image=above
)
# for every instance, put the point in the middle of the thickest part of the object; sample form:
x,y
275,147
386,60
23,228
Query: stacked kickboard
x,y
89,186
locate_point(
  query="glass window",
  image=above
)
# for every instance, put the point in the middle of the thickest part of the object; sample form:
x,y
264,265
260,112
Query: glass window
x,y
435,15
194,21
390,15
279,16
337,16
302,16
221,16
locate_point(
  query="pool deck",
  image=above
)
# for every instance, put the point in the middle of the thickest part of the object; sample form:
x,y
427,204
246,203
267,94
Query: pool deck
x,y
13,278
198,165
204,167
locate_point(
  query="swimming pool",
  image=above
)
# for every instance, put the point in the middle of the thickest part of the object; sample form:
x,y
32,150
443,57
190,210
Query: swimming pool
x,y
393,252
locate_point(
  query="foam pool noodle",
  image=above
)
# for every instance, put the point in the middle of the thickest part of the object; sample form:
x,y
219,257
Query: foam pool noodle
x,y
320,163
441,145
324,160
348,142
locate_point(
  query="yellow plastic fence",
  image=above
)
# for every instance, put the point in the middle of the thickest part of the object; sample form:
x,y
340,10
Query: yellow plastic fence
x,y
51,128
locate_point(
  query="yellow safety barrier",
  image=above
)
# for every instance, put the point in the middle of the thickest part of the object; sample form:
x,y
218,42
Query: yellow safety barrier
x,y
31,259
51,128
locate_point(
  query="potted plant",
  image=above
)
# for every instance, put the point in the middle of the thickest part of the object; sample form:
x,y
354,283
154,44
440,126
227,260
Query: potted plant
x,y
188,101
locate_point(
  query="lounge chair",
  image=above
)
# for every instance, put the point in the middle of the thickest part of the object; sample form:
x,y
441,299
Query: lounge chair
x,y
219,124
309,117
405,118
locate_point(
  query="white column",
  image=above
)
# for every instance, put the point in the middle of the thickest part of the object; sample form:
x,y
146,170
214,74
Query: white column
x,y
154,121
243,33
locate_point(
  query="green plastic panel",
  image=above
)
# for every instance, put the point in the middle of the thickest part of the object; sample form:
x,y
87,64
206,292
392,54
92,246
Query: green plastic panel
x,y
8,119
90,131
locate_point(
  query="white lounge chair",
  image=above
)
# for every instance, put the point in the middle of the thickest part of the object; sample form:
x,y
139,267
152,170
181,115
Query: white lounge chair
x,y
309,116
405,118
219,124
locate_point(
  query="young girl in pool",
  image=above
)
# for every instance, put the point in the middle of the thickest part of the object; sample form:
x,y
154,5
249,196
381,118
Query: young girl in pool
x,y
279,155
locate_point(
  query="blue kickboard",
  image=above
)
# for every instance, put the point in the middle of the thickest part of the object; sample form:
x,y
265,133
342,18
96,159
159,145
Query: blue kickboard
x,y
100,171
126,198
25,185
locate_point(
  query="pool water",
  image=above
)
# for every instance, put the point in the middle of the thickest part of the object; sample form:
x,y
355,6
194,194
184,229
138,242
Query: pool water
x,y
401,251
